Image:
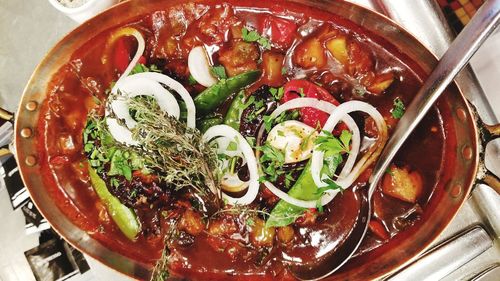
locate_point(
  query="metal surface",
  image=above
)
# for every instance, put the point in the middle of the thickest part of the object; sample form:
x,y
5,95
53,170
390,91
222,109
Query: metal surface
x,y
434,265
440,211
425,19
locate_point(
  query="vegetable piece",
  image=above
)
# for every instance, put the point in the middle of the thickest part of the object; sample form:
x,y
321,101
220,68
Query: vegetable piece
x,y
211,98
124,217
309,54
249,156
360,60
233,114
285,213
293,137
205,124
272,65
239,56
403,184
338,49
398,109
310,116
378,229
285,234
122,56
199,66
281,31
261,234
380,83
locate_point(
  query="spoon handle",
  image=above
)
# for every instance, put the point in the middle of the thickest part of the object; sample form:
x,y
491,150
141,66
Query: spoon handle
x,y
456,57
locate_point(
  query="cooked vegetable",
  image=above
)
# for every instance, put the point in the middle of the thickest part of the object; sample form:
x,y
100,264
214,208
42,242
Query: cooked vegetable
x,y
239,57
253,36
199,66
233,114
272,66
280,30
398,109
205,124
214,96
124,217
403,184
310,53
338,48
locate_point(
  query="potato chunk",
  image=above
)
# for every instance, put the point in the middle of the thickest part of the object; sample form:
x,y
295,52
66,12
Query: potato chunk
x,y
338,49
310,53
261,235
272,63
403,184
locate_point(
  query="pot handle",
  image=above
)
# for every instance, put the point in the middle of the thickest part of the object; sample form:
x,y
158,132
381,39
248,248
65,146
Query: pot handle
x,y
487,133
8,117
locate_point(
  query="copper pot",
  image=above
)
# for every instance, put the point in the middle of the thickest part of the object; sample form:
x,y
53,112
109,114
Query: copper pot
x,y
463,151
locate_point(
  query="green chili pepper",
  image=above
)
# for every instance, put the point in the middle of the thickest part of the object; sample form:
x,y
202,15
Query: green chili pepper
x,y
233,114
204,124
304,188
214,96
124,217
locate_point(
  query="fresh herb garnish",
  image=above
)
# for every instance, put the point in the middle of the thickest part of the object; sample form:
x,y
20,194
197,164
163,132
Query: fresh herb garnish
x,y
332,144
254,36
219,72
277,93
398,109
139,68
272,160
284,70
268,122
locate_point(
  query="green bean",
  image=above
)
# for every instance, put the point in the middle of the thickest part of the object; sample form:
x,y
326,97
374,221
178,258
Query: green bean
x,y
212,97
124,217
204,124
233,114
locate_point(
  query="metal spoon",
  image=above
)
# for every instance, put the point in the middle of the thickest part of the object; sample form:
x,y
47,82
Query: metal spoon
x,y
456,57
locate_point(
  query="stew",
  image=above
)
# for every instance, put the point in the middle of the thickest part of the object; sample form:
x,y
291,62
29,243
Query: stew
x,y
221,141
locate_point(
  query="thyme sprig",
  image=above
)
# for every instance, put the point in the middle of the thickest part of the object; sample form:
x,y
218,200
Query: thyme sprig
x,y
174,149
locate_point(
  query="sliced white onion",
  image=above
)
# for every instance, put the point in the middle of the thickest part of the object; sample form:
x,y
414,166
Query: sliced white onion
x,y
230,133
327,108
232,183
199,66
317,159
141,45
133,86
179,89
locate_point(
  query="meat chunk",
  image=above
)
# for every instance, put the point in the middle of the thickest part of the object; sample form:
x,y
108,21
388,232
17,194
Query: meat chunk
x,y
239,57
403,184
191,222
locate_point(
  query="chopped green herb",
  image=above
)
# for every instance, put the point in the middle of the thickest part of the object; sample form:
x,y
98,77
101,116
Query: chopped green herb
x,y
268,122
232,146
254,36
398,109
219,72
277,93
284,70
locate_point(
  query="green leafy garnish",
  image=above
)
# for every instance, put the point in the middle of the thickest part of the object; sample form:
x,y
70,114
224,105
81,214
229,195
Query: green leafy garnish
x,y
254,36
272,160
277,93
219,72
139,68
398,109
330,143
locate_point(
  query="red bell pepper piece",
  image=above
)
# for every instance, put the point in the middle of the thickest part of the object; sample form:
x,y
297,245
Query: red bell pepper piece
x,y
280,31
123,54
311,116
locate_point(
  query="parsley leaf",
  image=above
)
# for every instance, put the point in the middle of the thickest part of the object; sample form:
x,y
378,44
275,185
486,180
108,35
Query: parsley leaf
x,y
268,122
329,142
398,109
219,72
254,36
272,160
277,93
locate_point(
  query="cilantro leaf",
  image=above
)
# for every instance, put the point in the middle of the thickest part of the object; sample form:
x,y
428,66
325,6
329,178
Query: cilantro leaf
x,y
219,72
398,109
254,36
